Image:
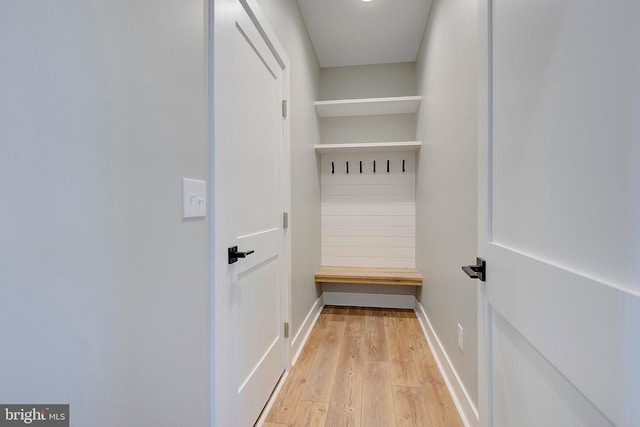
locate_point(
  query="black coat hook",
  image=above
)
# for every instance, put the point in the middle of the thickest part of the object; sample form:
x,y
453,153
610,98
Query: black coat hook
x,y
374,166
333,168
360,166
387,166
403,170
347,167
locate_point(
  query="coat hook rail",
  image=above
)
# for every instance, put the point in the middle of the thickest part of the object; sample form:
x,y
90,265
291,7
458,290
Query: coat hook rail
x,y
374,163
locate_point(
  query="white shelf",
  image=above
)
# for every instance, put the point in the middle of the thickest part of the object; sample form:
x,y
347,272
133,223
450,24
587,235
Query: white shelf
x,y
370,147
368,106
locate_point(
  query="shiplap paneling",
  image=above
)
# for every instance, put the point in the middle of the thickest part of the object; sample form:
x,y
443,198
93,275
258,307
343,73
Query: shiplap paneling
x,y
373,252
370,241
382,198
368,190
371,231
361,261
367,218
346,209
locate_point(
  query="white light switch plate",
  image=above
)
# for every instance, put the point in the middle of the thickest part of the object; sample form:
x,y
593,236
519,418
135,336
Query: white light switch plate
x,y
194,198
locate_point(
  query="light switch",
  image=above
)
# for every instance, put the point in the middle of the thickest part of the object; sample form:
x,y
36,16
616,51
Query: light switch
x,y
194,198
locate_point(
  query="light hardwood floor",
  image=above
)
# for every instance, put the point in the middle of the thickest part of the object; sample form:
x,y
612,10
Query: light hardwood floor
x,y
364,367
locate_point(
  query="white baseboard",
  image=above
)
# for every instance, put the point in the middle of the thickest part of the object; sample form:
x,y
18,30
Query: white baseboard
x,y
358,299
295,347
298,341
466,408
263,416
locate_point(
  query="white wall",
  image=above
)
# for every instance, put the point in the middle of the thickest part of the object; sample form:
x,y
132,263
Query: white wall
x,y
285,19
105,291
368,81
446,192
377,128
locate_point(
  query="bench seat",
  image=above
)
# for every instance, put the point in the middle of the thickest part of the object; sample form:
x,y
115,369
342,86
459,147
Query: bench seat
x,y
369,275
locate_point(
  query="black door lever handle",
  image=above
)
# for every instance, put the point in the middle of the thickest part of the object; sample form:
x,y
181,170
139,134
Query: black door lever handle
x,y
234,254
477,271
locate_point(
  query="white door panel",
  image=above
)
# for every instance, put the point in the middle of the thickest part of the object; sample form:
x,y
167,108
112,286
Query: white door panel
x,y
565,80
251,177
256,171
559,208
520,370
578,325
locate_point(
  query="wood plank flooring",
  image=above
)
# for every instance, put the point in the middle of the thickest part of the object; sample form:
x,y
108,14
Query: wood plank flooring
x,y
364,367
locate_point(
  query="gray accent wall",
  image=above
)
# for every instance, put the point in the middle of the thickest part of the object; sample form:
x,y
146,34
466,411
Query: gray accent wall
x,y
104,289
446,191
368,81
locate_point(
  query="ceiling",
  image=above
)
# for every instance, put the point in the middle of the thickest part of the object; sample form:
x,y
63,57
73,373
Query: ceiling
x,y
356,32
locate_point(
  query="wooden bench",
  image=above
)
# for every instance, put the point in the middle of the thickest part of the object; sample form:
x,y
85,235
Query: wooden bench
x,y
369,275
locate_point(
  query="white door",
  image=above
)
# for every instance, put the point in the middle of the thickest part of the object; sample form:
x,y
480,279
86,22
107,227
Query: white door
x,y
251,180
560,213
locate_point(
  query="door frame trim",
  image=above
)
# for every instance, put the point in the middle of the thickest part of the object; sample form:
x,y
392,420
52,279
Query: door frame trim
x,y
485,134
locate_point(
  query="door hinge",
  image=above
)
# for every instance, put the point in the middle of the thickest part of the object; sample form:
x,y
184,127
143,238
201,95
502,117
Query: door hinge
x,y
284,108
286,329
285,219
